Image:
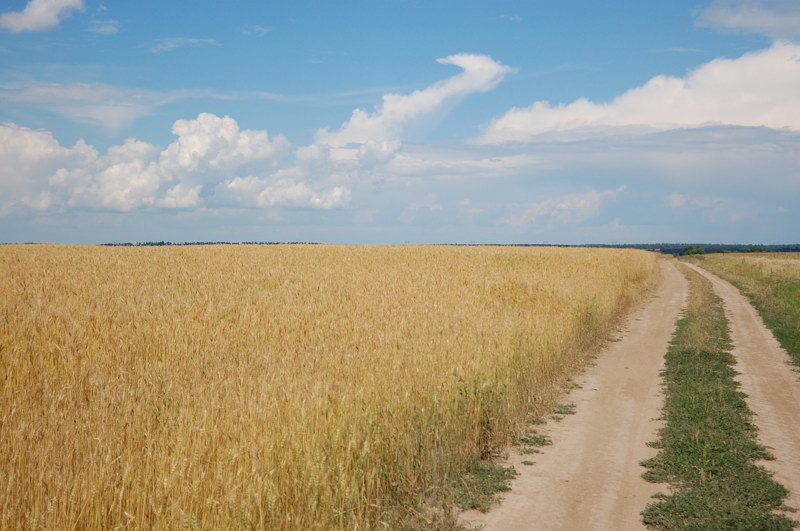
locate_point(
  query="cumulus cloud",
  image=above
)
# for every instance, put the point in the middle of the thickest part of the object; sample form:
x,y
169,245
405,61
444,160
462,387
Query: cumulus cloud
x,y
39,15
209,150
366,145
212,162
27,158
122,180
761,88
564,210
778,19
254,191
210,145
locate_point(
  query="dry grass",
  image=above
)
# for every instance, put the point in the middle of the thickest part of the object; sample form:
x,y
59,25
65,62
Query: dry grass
x,y
786,265
294,387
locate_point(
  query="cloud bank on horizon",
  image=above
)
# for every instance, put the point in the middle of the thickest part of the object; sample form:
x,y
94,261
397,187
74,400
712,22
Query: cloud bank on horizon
x,y
711,154
758,89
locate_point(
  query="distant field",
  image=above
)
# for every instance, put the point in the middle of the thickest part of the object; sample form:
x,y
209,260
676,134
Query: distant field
x,y
772,282
296,387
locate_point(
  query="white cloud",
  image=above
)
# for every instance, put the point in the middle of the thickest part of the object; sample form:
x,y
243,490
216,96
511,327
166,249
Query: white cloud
x,y
480,74
210,147
778,19
104,27
216,145
169,44
266,192
211,161
210,150
370,142
123,180
95,103
27,159
298,194
758,89
39,15
182,195
564,210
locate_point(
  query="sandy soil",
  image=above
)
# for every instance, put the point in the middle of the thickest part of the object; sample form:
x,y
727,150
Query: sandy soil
x,y
772,386
590,478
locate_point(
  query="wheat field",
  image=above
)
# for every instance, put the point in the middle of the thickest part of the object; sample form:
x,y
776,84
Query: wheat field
x,y
279,387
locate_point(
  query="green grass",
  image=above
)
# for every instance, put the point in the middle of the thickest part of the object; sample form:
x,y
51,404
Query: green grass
x,y
533,440
708,447
562,410
479,488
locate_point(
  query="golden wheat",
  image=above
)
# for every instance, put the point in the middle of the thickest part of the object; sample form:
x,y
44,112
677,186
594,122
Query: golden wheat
x,y
279,387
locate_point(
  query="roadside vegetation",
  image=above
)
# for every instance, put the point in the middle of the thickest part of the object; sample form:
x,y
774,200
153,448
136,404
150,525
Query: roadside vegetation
x,y
282,387
708,449
772,282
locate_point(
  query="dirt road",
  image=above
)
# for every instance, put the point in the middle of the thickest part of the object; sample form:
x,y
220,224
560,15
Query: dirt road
x,y
590,478
771,385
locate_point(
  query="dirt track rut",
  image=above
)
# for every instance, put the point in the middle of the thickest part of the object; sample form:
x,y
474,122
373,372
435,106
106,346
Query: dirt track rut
x,y
590,478
772,386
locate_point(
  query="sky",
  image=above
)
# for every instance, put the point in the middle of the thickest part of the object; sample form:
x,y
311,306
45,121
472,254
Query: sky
x,y
400,121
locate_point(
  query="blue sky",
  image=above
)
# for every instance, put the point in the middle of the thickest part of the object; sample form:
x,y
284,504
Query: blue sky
x,y
389,121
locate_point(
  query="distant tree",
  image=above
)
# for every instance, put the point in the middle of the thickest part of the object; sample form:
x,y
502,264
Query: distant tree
x,y
694,250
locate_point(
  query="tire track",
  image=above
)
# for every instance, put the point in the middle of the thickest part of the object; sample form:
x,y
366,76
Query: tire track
x,y
591,477
771,384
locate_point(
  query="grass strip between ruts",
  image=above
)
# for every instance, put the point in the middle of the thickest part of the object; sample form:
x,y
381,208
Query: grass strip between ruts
x,y
708,447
